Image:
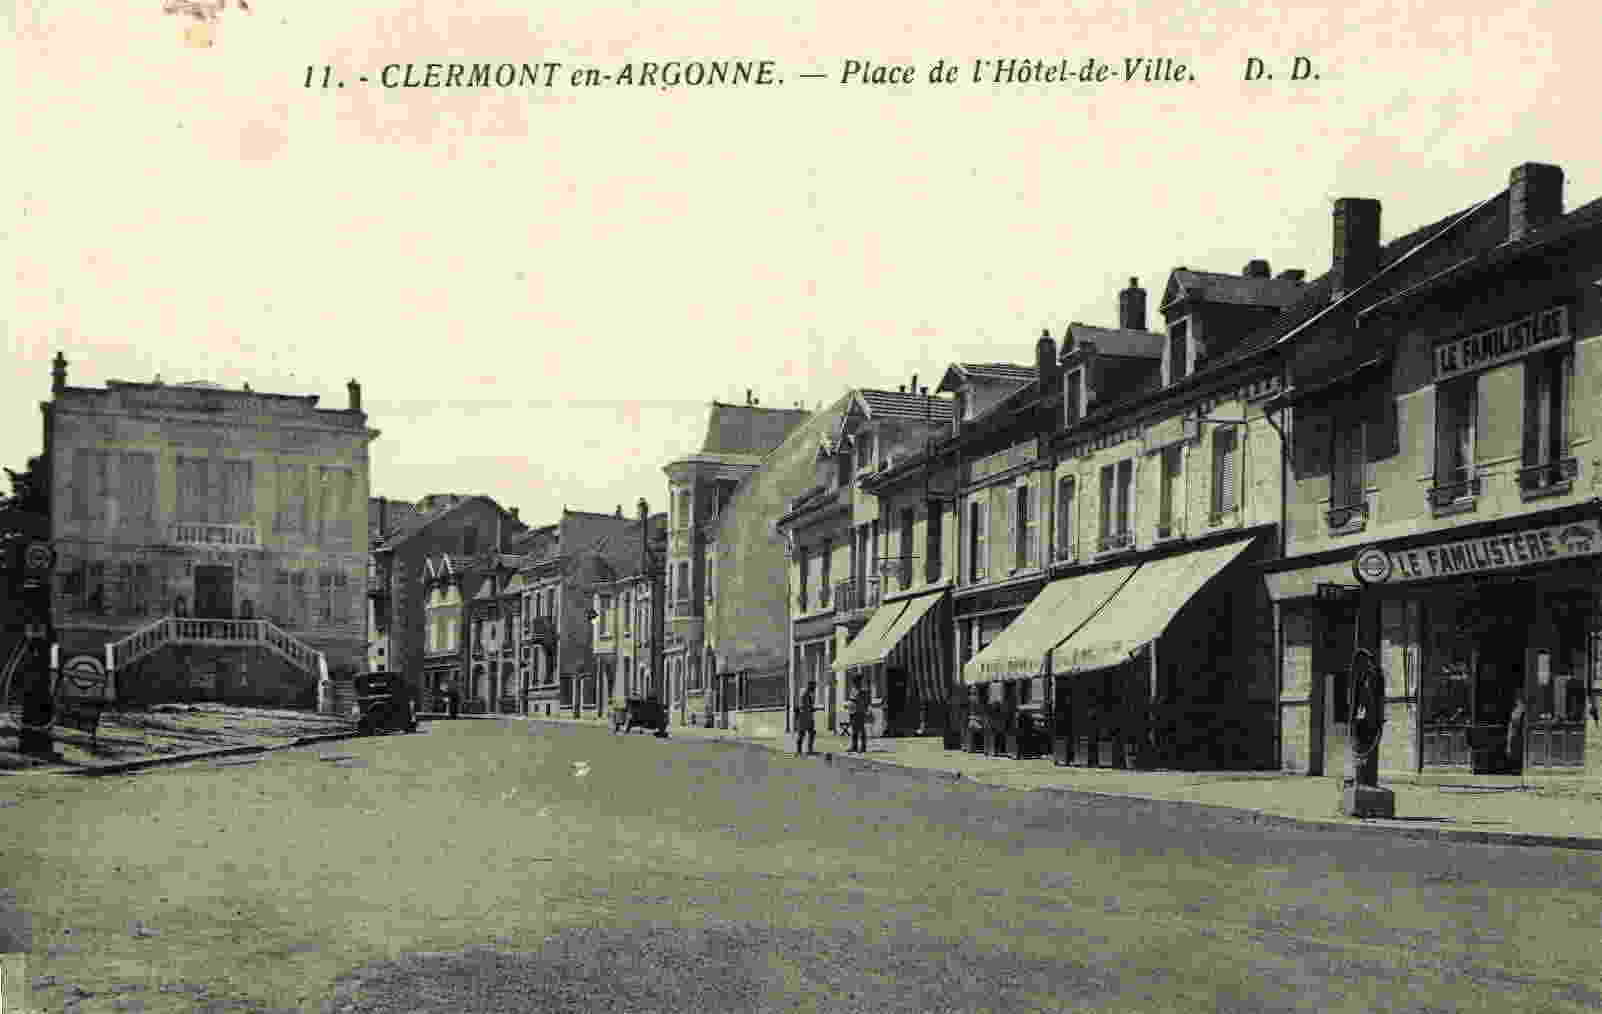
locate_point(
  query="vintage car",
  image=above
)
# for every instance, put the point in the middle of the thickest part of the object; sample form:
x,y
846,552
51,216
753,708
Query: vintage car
x,y
382,704
639,713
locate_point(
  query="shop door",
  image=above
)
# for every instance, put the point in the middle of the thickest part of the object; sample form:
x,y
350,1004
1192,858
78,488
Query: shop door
x,y
214,592
895,701
1501,624
1337,642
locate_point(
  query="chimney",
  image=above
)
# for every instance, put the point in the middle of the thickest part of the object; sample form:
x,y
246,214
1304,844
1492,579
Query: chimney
x,y
924,390
914,386
901,388
748,399
1535,198
513,512
383,517
355,390
619,510
1046,360
58,374
1132,307
1356,254
1256,269
1293,275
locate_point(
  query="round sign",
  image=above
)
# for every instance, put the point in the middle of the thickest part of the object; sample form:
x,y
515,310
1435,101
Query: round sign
x,y
39,556
1372,566
84,672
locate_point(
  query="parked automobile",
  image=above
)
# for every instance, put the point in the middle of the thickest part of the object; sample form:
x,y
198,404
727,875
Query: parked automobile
x,y
382,705
639,713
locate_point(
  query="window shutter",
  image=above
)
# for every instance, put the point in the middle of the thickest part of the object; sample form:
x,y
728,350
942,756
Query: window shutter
x,y
981,556
1000,532
1224,470
1032,539
1066,488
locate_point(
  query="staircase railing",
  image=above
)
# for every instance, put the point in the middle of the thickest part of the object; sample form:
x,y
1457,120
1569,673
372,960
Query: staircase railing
x,y
225,633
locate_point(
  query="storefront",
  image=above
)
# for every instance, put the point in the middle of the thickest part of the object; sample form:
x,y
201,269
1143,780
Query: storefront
x,y
1496,639
899,655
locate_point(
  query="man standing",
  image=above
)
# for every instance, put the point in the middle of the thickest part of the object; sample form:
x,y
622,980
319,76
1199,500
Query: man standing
x,y
806,729
453,699
859,719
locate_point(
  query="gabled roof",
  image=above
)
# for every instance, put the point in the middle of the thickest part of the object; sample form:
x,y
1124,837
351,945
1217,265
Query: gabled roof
x,y
959,375
1240,290
902,405
421,520
749,429
1114,341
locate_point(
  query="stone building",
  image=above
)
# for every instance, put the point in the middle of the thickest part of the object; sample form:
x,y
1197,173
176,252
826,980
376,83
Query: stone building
x,y
700,486
847,568
626,627
212,543
398,587
1445,403
562,564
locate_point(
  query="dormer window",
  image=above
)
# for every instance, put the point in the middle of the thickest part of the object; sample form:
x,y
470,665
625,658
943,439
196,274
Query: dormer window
x,y
1178,359
1073,396
864,442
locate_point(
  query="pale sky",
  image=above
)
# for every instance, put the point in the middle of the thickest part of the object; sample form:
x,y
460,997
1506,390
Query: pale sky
x,y
540,291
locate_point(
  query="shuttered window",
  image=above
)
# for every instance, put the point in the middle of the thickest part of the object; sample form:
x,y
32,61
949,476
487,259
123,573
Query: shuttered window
x,y
933,535
1348,459
1548,381
978,555
1225,455
1002,544
195,502
1456,405
1065,517
1168,503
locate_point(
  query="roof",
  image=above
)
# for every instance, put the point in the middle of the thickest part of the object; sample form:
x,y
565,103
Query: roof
x,y
902,405
749,429
1112,341
1241,290
410,526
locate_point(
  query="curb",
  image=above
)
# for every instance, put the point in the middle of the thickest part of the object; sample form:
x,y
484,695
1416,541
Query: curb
x,y
1234,814
123,767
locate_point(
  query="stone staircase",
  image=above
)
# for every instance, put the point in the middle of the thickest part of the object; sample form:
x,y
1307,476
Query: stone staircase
x,y
212,633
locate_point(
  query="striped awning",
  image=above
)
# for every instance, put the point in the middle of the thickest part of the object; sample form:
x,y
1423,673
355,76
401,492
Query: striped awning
x,y
1052,617
916,646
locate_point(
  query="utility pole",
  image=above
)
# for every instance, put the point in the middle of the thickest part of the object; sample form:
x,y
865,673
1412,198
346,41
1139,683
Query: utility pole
x,y
654,568
30,561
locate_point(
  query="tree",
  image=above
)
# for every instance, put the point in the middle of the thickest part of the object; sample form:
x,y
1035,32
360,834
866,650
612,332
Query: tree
x,y
30,488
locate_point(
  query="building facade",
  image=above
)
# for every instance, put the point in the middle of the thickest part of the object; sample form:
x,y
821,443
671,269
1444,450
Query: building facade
x,y
700,487
211,543
401,587
1443,514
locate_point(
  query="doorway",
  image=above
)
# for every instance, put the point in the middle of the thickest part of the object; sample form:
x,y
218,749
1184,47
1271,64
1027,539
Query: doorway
x,y
895,701
214,592
1335,644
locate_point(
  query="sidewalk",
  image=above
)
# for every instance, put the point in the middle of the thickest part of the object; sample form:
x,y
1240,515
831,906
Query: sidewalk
x,y
1553,811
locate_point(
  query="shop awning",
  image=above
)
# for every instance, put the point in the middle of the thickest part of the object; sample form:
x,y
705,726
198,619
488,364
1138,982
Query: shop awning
x,y
886,630
1061,608
1143,608
864,649
914,645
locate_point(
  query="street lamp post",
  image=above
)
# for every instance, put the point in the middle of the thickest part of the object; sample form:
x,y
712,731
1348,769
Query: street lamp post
x,y
653,568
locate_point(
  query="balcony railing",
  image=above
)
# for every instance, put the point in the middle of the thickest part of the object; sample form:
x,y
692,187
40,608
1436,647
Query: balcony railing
x,y
1445,494
851,595
201,533
1111,541
1534,478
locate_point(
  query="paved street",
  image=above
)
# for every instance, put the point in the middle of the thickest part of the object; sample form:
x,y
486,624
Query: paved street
x,y
506,865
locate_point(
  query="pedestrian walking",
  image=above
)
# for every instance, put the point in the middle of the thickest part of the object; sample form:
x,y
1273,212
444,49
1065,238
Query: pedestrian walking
x,y
806,727
859,719
453,701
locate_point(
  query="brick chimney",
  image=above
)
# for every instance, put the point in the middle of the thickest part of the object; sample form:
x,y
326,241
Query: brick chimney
x,y
1535,198
1132,307
355,390
1257,269
1046,360
383,517
1293,275
1356,253
513,512
58,374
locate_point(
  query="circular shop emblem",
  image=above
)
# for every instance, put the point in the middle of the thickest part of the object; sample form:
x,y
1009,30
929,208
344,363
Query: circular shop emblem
x,y
85,672
1372,566
39,556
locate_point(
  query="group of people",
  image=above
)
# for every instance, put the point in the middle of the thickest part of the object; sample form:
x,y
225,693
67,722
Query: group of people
x,y
806,722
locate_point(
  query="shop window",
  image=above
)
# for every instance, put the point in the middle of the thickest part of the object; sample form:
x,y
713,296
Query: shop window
x,y
1548,383
1456,406
1073,396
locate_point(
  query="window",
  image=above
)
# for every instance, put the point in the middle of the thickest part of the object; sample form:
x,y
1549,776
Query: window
x,y
1548,383
827,552
1348,460
683,511
802,566
91,484
684,581
1065,517
976,540
138,485
1073,396
290,517
1167,507
864,444
238,504
194,490
933,540
1456,405
605,619
1226,496
628,612
335,491
1002,543
1117,499
907,516
1178,351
